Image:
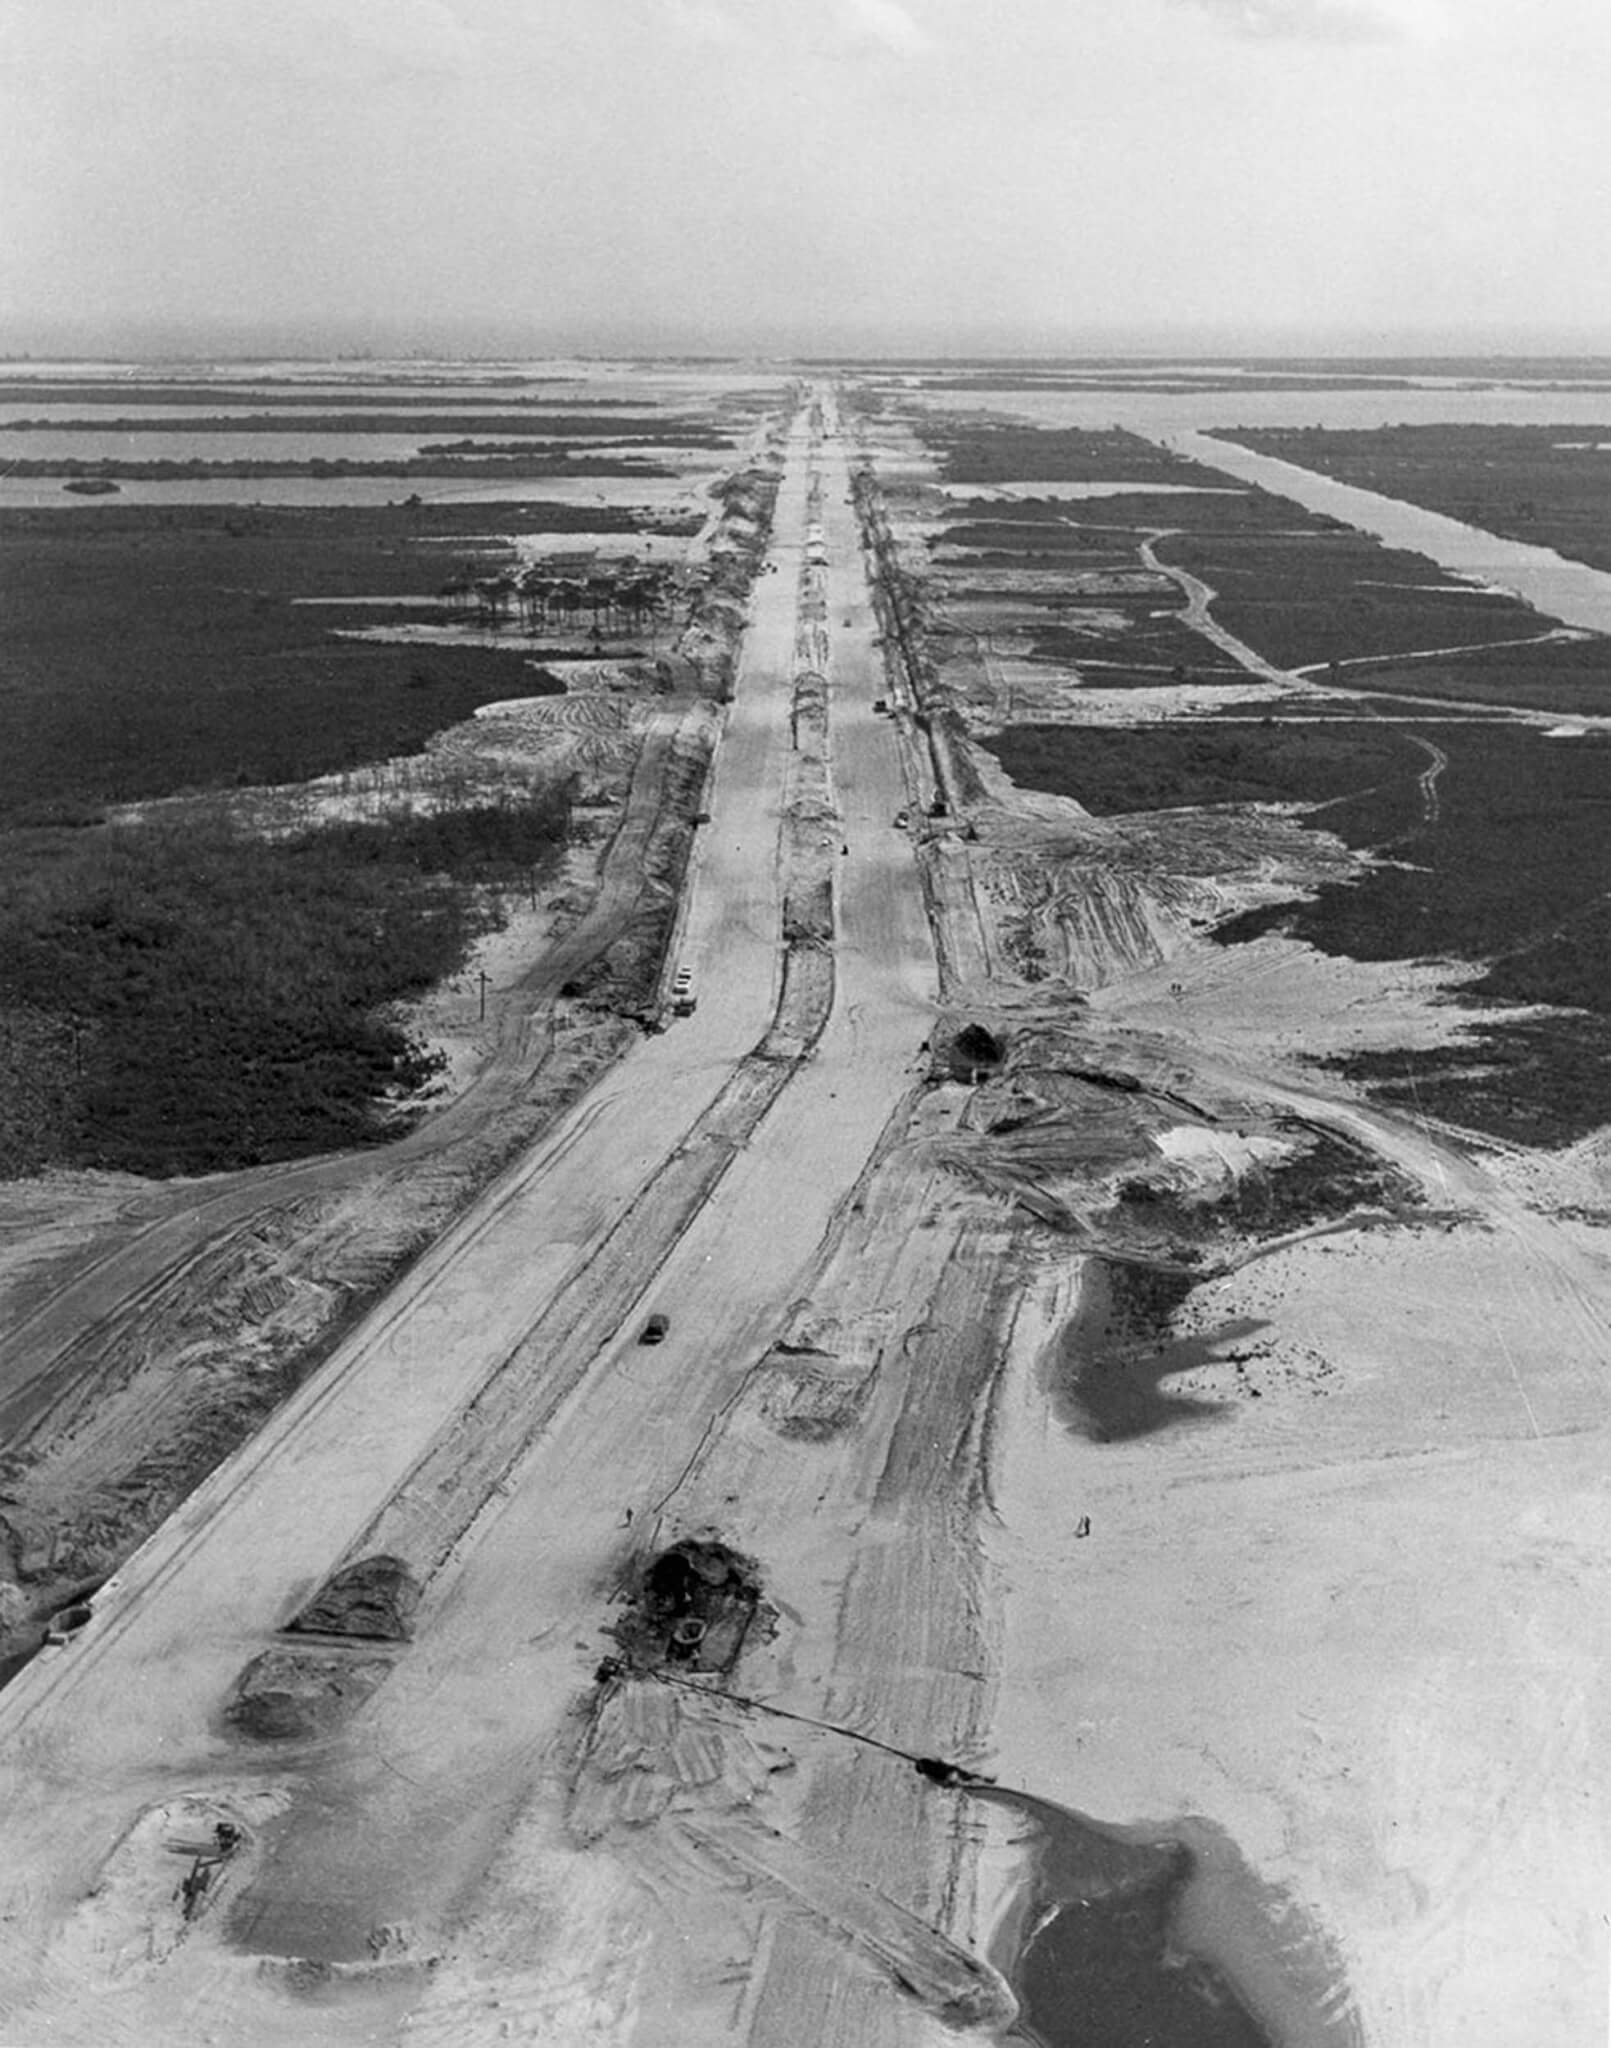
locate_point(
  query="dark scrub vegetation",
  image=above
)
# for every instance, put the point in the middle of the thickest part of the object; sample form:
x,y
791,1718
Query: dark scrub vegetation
x,y
150,650
1113,769
547,459
974,452
1297,586
177,997
1548,485
1570,676
180,999
1508,869
1312,594
550,426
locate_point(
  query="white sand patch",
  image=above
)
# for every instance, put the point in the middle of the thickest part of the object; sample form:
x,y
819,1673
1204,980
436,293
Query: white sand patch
x,y
534,548
1360,1639
1008,493
419,602
1277,997
633,493
1042,693
1056,703
49,1221
459,1018
1225,1153
1573,1184
508,639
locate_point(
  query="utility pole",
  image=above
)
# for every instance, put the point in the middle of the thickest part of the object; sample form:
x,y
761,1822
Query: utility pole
x,y
483,980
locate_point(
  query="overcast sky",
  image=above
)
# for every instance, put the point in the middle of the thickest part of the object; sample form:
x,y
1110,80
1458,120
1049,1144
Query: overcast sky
x,y
804,174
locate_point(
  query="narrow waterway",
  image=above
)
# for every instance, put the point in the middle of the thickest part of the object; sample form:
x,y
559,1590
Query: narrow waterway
x,y
1569,591
1565,590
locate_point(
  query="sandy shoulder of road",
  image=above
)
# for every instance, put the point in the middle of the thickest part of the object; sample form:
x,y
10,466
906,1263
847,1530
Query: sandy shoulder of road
x,y
1349,1616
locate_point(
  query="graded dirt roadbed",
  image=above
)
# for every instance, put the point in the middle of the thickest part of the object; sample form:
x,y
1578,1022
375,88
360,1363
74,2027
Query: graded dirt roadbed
x,y
145,1686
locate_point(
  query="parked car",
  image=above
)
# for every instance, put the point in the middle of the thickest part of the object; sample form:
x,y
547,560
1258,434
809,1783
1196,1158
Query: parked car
x,y
655,1329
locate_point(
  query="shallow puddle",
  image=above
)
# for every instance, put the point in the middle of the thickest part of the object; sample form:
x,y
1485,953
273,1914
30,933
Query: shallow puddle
x,y
1128,1939
1108,1374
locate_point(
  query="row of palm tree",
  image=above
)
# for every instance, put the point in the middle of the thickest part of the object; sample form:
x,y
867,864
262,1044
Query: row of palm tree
x,y
620,602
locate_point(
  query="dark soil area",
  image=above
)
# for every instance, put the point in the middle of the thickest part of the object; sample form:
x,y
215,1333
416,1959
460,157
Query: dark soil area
x,y
150,650
294,1692
692,1607
181,999
1526,483
376,1598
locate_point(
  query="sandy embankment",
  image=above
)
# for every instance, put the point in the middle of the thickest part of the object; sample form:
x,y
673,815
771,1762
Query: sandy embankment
x,y
1346,1610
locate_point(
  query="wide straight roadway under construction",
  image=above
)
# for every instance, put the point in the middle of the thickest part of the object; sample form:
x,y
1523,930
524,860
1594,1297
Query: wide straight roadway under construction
x,y
540,1812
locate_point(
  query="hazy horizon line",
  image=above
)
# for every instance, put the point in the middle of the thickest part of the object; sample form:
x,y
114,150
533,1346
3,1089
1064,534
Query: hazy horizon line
x,y
263,340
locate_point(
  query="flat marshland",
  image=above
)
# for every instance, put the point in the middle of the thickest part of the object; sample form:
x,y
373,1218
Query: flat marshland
x,y
814,1248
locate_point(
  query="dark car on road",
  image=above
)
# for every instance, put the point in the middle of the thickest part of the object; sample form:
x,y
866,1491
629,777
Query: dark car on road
x,y
654,1330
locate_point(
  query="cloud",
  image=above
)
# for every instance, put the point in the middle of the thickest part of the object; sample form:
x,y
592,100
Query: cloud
x,y
885,22
424,33
343,43
1331,21
823,27
703,21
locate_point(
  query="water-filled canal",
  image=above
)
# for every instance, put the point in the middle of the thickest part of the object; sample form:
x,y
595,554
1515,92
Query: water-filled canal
x,y
1571,591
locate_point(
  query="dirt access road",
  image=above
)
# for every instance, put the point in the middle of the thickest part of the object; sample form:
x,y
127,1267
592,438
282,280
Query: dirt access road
x,y
365,1854
60,1353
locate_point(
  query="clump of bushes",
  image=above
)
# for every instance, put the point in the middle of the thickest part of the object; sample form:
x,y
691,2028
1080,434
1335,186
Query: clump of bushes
x,y
182,1000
